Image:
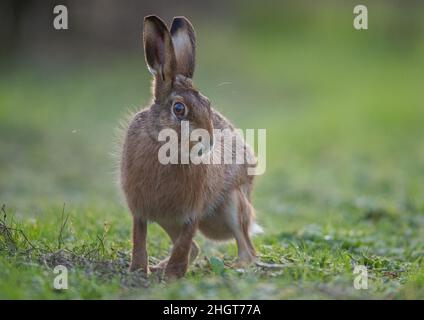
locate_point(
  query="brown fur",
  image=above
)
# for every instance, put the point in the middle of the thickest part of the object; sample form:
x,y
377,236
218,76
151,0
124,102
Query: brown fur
x,y
180,197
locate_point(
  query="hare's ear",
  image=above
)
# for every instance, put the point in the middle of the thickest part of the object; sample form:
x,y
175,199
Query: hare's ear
x,y
159,52
184,40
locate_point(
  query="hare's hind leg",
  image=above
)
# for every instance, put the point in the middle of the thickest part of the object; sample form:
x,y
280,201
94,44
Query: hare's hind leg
x,y
239,216
139,251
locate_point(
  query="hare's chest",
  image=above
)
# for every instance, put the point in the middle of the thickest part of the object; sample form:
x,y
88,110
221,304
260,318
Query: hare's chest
x,y
170,192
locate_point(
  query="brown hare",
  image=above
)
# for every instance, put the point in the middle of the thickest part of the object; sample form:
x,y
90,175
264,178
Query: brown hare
x,y
181,198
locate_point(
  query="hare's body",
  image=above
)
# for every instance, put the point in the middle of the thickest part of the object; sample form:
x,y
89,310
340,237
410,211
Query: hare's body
x,y
176,193
214,198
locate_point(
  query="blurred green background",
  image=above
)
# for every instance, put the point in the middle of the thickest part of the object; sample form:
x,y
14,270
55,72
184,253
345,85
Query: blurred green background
x,y
344,116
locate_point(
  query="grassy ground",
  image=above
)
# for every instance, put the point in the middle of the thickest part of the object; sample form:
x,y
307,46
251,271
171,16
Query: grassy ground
x,y
343,185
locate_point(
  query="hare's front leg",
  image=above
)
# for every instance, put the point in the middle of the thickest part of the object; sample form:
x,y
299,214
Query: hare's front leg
x,y
174,232
179,259
139,251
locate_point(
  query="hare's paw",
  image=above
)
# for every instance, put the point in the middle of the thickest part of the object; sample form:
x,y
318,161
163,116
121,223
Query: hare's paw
x,y
160,266
175,270
244,261
138,266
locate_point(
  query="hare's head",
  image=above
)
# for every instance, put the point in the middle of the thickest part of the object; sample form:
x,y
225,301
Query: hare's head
x,y
170,57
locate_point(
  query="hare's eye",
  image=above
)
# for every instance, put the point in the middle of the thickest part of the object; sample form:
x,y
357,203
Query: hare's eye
x,y
179,110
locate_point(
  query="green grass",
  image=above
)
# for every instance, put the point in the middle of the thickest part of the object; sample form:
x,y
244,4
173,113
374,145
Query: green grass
x,y
343,185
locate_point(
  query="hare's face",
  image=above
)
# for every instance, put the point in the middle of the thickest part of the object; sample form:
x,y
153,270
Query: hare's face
x,y
170,57
187,112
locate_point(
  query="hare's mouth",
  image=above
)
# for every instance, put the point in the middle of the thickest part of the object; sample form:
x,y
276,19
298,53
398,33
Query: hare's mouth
x,y
202,149
206,149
